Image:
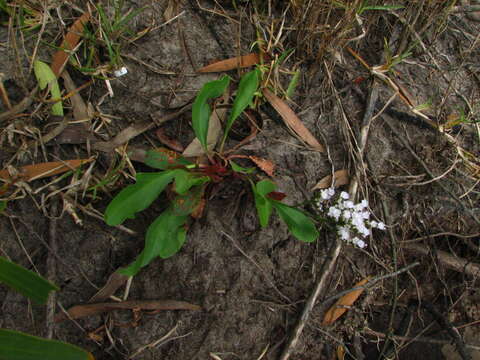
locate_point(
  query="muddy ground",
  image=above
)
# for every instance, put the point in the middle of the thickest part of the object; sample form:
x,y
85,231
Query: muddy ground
x,y
252,284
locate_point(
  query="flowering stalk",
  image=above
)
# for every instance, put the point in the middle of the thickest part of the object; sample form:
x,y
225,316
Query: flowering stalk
x,y
352,221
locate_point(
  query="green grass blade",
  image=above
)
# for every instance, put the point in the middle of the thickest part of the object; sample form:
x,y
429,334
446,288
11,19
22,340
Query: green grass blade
x,y
201,110
165,236
299,225
45,77
15,345
246,90
25,282
293,84
137,197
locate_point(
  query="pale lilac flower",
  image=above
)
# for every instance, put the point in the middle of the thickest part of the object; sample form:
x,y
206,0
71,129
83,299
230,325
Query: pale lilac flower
x,y
373,224
348,204
334,212
346,214
344,195
344,232
381,226
358,242
327,194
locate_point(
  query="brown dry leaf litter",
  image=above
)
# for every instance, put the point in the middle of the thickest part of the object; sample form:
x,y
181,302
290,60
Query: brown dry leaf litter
x,y
42,170
292,120
342,304
232,63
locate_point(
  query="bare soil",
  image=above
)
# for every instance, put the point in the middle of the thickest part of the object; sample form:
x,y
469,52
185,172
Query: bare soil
x,y
252,284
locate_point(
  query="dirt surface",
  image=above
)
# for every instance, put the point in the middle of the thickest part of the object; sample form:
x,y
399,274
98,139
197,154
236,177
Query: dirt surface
x,y
252,283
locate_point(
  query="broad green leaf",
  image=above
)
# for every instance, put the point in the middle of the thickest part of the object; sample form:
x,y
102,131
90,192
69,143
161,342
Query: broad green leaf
x,y
184,180
185,204
165,159
45,77
201,109
165,236
262,203
137,197
15,345
246,90
239,169
3,205
300,225
265,187
25,282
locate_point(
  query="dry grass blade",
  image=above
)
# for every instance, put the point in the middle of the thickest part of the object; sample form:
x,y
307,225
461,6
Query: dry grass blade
x,y
232,63
42,170
342,304
340,178
292,120
80,311
71,40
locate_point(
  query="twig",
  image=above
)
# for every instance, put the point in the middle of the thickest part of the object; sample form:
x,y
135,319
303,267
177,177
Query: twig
x,y
417,338
319,287
455,263
370,284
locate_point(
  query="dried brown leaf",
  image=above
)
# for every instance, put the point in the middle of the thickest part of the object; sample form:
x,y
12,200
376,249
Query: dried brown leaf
x,y
80,311
42,170
232,63
69,43
340,178
266,165
292,120
115,281
342,304
195,149
166,140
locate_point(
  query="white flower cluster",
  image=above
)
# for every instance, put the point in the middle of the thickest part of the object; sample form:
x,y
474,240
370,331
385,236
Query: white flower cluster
x,y
353,220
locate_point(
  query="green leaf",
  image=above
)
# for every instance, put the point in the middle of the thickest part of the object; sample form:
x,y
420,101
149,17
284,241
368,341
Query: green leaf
x,y
137,197
25,282
165,159
239,169
165,236
262,203
184,180
201,110
45,77
246,90
185,204
300,225
15,345
3,205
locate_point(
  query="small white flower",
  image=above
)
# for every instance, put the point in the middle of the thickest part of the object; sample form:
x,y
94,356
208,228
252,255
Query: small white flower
x,y
373,224
360,243
327,194
344,233
346,214
344,195
348,204
381,226
334,212
365,214
361,205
